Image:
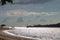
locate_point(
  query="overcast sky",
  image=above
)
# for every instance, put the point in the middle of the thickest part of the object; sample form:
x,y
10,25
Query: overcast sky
x,y
30,12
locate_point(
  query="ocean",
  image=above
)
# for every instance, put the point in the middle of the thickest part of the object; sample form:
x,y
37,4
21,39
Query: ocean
x,y
38,33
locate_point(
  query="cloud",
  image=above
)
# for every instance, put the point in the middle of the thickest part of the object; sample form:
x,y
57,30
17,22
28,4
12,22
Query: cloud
x,y
31,1
20,19
5,20
27,13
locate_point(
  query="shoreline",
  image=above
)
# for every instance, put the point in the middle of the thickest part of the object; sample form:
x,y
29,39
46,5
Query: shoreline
x,y
5,36
6,31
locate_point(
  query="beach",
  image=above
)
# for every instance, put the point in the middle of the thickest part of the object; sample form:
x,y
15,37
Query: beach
x,y
4,36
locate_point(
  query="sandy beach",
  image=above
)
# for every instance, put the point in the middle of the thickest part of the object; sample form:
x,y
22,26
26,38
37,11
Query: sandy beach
x,y
4,36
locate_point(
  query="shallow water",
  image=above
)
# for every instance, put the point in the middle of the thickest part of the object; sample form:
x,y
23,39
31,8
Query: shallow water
x,y
40,33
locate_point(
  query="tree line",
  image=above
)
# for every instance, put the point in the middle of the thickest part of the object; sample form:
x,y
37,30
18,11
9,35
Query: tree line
x,y
47,25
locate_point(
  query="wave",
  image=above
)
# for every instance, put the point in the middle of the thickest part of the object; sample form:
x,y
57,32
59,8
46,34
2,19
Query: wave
x,y
12,34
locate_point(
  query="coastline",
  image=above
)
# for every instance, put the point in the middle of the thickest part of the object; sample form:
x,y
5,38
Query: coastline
x,y
5,36
6,31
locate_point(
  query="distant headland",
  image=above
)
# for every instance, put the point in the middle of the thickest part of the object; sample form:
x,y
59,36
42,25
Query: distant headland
x,y
47,25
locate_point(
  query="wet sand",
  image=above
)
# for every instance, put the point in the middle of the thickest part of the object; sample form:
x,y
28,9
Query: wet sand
x,y
4,36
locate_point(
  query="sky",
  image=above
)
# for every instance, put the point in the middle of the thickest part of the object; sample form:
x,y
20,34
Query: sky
x,y
30,12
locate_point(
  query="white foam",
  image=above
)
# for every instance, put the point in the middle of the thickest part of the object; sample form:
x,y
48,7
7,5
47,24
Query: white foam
x,y
6,31
19,27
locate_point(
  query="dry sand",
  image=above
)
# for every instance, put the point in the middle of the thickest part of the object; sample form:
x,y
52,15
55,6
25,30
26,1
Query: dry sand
x,y
4,36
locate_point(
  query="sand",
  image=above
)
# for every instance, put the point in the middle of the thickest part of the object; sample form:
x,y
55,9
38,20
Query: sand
x,y
4,36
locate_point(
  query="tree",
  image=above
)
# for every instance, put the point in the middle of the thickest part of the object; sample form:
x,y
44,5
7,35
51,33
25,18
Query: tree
x,y
2,25
11,1
3,2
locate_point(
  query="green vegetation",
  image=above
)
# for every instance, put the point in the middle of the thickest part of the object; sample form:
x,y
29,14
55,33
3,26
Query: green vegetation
x,y
2,25
3,2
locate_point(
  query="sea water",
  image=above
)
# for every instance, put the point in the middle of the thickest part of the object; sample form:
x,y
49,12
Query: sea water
x,y
39,33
